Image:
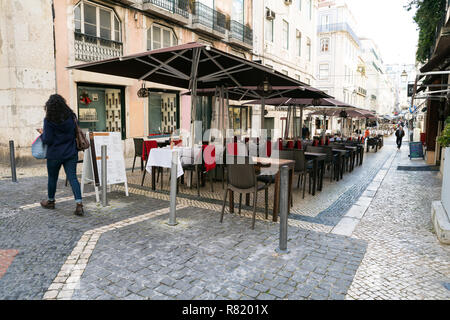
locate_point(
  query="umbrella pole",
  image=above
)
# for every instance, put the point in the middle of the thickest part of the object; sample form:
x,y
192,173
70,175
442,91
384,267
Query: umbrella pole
x,y
301,121
263,107
286,129
193,87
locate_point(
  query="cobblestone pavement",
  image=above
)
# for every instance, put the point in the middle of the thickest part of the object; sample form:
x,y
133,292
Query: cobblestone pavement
x,y
404,259
126,251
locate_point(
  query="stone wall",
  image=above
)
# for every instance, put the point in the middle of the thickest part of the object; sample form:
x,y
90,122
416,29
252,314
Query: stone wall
x,y
28,72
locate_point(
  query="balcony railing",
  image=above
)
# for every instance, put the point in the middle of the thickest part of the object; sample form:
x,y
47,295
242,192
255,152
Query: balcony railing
x,y
339,27
240,32
362,91
180,7
89,48
209,17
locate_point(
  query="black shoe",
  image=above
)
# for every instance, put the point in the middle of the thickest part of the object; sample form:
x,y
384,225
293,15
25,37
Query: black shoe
x,y
79,210
48,204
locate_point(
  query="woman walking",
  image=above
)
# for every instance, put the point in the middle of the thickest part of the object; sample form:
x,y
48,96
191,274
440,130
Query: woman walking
x,y
59,136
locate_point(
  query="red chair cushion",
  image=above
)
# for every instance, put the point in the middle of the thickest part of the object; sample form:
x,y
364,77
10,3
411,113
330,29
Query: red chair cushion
x,y
146,147
209,156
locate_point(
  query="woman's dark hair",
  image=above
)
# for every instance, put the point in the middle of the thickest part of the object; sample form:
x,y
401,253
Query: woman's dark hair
x,y
57,110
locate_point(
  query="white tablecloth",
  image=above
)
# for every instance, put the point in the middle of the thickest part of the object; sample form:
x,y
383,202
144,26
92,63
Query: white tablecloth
x,y
187,156
162,157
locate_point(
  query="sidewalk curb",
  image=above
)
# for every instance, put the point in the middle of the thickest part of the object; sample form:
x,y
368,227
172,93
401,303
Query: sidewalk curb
x,y
351,219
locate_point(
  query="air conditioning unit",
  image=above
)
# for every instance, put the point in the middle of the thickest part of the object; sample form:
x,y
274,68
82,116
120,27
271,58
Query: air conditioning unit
x,y
270,15
287,2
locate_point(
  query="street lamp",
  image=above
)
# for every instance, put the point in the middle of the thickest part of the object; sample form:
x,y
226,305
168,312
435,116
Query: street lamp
x,y
404,76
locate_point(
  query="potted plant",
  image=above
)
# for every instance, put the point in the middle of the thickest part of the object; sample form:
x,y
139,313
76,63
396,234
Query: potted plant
x,y
444,141
444,138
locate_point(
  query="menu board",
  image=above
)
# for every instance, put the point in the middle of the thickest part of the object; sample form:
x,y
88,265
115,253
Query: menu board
x,y
115,162
416,150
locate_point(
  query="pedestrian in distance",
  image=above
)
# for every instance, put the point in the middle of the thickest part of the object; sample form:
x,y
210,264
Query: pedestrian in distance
x,y
305,132
400,133
59,136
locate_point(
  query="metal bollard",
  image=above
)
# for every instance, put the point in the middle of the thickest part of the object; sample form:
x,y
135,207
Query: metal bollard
x,y
13,161
104,176
173,190
284,207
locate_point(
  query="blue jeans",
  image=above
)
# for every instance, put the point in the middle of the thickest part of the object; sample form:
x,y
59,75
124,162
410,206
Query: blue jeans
x,y
70,167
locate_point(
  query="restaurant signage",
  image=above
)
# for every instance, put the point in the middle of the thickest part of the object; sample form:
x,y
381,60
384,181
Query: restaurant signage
x,y
416,150
115,161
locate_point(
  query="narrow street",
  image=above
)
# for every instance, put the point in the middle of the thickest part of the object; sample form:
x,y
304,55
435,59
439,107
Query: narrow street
x,y
127,251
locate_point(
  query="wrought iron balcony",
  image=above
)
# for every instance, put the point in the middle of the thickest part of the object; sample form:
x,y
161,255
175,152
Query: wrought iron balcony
x,y
180,7
362,91
205,16
241,33
89,48
334,27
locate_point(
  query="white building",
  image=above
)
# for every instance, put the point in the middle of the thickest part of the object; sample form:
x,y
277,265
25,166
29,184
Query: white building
x,y
338,51
381,95
284,38
340,67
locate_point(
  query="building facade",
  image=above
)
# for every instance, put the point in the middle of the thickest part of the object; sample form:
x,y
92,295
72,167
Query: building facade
x,y
285,40
72,32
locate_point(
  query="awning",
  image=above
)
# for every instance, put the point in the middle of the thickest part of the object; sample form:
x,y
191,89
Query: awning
x,y
181,65
302,102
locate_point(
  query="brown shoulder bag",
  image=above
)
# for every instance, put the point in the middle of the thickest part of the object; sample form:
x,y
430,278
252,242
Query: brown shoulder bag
x,y
80,137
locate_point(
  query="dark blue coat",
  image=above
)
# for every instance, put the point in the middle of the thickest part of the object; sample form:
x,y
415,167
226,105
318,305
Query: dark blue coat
x,y
60,139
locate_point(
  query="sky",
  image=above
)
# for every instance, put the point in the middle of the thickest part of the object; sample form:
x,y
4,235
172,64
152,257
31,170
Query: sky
x,y
389,25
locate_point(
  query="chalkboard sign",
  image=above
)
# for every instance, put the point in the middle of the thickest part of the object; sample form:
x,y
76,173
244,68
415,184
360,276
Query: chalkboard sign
x,y
416,150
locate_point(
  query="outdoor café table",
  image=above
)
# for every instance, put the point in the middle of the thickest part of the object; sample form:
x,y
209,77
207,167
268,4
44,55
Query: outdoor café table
x,y
317,157
162,157
341,158
275,164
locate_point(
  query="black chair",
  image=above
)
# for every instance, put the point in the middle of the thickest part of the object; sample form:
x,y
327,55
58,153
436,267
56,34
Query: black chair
x,y
242,179
330,161
138,143
304,169
200,171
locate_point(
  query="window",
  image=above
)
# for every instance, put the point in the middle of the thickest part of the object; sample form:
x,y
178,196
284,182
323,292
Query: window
x,y
97,21
299,43
297,76
239,119
237,11
269,30
324,71
325,21
285,72
285,35
300,5
324,45
160,37
308,81
308,48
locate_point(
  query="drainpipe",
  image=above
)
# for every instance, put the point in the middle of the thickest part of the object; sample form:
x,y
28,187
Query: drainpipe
x,y
54,44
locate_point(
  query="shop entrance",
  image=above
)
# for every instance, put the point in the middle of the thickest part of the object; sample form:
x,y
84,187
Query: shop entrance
x,y
101,108
163,112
